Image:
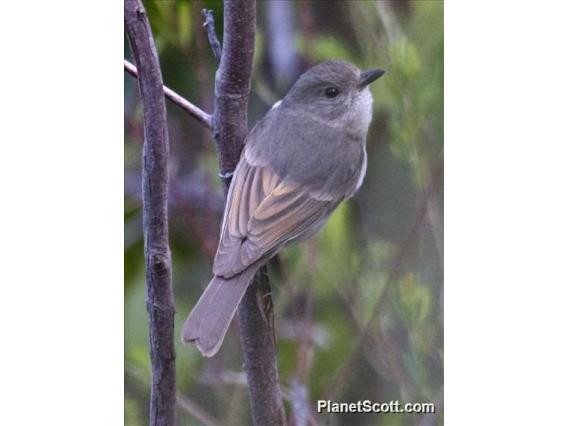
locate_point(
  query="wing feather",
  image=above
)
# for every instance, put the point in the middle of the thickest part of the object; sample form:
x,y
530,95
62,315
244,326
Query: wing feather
x,y
265,213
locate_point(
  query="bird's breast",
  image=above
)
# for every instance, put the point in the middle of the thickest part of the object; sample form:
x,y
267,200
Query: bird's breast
x,y
305,151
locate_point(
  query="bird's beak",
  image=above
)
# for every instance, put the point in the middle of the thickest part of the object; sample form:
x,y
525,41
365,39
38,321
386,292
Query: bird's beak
x,y
367,77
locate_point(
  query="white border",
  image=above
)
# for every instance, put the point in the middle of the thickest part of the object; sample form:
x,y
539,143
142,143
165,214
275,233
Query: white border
x,y
506,213
61,234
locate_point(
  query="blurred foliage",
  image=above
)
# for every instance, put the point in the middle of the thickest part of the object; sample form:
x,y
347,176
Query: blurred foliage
x,y
359,308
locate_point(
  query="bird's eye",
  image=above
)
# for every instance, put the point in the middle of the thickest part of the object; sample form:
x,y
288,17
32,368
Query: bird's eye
x,y
331,92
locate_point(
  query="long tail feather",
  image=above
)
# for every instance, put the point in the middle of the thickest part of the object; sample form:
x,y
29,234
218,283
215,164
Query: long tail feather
x,y
209,320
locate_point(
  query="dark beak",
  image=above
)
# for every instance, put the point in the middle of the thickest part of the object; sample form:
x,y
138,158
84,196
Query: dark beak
x,y
367,77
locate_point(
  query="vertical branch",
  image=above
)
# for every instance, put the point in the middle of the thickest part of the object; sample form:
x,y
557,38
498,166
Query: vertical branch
x,y
159,294
211,34
232,82
232,88
258,343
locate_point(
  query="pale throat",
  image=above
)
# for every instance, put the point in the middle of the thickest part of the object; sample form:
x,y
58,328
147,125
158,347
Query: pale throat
x,y
361,113
361,119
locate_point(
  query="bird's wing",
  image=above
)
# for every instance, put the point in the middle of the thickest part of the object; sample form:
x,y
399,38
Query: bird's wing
x,y
263,214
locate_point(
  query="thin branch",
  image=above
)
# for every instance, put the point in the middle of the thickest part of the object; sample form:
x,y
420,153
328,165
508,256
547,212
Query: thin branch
x,y
177,99
232,89
159,293
209,24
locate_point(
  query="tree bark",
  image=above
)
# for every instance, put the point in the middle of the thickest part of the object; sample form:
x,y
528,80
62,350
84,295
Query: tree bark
x,y
232,82
159,294
232,88
258,343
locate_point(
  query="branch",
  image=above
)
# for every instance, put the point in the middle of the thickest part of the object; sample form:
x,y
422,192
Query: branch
x,y
159,294
232,82
177,99
211,34
232,88
258,343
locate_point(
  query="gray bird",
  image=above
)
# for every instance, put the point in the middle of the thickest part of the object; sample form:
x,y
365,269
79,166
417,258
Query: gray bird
x,y
299,162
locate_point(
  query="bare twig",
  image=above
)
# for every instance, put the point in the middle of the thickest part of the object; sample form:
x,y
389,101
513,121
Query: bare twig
x,y
159,294
177,99
211,34
232,89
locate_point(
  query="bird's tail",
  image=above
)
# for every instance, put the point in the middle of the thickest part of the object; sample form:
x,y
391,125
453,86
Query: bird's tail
x,y
207,323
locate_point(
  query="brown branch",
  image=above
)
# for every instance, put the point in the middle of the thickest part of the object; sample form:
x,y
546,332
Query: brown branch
x,y
232,82
159,294
211,34
232,89
258,343
177,99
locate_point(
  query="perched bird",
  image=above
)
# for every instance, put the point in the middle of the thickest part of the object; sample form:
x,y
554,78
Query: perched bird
x,y
299,162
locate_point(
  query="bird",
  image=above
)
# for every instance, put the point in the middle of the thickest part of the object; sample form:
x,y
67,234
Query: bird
x,y
300,161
